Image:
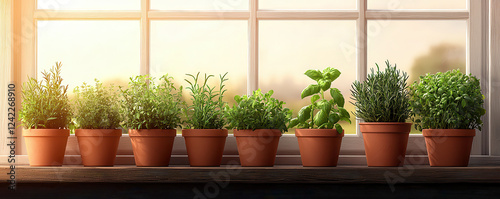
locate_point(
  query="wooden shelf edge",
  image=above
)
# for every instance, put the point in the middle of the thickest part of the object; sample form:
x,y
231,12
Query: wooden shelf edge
x,y
238,174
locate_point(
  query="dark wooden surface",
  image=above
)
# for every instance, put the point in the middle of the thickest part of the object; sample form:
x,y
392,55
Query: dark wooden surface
x,y
241,191
237,174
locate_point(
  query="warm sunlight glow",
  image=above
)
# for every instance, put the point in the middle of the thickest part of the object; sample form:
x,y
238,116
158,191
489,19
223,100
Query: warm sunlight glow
x,y
308,4
199,4
213,47
403,42
107,50
417,4
89,4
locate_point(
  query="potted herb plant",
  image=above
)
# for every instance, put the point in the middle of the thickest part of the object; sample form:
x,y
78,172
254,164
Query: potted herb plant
x,y
382,102
97,118
151,112
46,116
318,132
205,135
449,106
258,121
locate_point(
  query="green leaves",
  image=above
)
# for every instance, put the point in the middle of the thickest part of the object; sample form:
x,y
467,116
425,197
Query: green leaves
x,y
259,111
331,74
321,113
338,98
293,123
314,74
320,118
333,118
45,102
150,104
383,96
314,98
450,100
324,85
339,128
207,110
97,107
304,113
310,90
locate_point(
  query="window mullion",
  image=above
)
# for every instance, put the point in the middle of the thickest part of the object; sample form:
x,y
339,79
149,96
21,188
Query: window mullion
x,y
253,51
361,47
475,63
144,37
494,75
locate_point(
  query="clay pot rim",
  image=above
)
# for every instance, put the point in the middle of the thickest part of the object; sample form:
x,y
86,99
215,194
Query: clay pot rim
x,y
98,132
46,132
390,127
152,132
318,133
449,132
257,133
204,132
385,123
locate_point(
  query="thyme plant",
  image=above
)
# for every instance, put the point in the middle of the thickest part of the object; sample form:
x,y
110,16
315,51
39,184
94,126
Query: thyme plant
x,y
96,107
150,105
258,111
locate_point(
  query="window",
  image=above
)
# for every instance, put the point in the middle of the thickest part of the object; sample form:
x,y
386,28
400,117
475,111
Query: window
x,y
89,4
199,5
306,44
420,4
89,50
261,43
214,47
307,4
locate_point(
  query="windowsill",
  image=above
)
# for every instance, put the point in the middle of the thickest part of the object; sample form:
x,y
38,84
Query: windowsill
x,y
238,174
281,160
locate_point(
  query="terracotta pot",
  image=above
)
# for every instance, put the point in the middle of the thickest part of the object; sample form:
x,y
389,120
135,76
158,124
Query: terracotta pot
x,y
385,142
257,148
98,147
449,147
319,147
152,147
205,147
46,147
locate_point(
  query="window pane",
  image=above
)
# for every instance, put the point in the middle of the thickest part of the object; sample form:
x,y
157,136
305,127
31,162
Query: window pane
x,y
418,47
199,4
287,49
107,50
89,4
420,4
307,4
213,47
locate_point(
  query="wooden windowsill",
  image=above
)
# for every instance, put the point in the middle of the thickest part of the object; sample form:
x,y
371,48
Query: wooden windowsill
x,y
238,174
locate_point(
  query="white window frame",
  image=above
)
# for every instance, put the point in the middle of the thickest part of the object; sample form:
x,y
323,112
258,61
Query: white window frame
x,y
352,151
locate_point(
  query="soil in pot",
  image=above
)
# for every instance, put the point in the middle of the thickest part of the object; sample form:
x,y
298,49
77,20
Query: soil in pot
x,y
152,147
385,143
319,147
449,147
257,148
98,147
205,147
46,147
